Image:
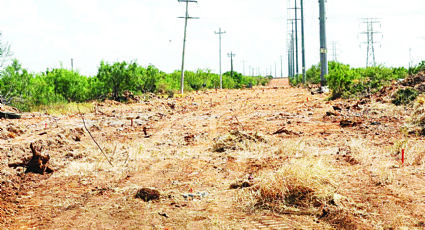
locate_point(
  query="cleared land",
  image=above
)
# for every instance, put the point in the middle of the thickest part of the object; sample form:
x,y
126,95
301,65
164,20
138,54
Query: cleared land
x,y
271,157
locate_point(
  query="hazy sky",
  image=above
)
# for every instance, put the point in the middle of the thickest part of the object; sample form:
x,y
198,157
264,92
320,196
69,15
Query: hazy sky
x,y
45,33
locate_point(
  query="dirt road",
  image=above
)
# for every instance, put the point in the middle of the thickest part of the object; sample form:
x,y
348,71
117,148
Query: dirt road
x,y
196,147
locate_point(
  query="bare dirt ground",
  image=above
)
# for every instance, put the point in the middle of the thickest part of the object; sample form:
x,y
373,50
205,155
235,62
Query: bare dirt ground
x,y
197,146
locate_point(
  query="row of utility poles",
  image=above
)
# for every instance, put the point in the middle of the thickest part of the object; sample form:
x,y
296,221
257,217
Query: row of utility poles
x,y
231,55
292,43
186,17
293,46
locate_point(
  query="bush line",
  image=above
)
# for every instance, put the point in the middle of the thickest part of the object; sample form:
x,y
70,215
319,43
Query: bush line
x,y
27,91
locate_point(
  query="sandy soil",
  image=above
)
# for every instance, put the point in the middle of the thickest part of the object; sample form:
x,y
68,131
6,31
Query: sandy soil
x,y
360,140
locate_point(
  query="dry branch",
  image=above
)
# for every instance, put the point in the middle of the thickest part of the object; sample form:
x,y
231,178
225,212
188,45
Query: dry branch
x,y
101,150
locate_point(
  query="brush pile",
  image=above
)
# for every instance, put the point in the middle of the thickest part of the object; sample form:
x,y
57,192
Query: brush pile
x,y
236,140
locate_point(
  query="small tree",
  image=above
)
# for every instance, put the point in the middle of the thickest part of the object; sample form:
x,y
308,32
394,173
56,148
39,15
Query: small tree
x,y
5,52
149,78
14,82
118,77
69,84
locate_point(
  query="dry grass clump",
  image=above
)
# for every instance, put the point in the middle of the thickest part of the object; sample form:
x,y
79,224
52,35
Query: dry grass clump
x,y
387,109
292,148
415,153
356,151
66,108
305,185
382,175
398,146
237,140
416,123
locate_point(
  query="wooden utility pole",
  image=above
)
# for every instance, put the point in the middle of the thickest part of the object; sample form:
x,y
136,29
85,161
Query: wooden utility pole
x,y
221,75
186,17
231,55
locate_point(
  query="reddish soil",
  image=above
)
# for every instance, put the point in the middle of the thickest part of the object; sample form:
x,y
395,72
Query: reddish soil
x,y
176,157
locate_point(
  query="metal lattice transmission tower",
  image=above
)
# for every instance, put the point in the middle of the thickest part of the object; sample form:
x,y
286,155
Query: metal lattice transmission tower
x,y
371,39
334,50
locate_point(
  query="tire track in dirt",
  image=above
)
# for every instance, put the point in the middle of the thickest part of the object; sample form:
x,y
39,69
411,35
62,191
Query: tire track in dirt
x,y
178,159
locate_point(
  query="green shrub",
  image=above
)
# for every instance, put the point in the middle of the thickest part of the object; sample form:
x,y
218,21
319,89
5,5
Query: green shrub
x,y
313,74
69,84
60,86
14,83
340,78
405,96
345,81
119,77
416,69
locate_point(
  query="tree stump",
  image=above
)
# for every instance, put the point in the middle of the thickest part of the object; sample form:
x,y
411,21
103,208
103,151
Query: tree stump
x,y
38,163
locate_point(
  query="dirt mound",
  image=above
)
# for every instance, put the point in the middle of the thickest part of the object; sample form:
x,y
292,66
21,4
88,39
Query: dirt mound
x,y
128,96
11,131
414,80
6,108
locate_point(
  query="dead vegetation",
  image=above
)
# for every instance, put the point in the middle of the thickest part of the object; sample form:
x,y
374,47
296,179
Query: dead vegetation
x,y
231,159
237,140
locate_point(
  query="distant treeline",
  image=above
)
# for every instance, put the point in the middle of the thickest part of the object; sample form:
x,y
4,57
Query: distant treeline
x,y
25,90
346,81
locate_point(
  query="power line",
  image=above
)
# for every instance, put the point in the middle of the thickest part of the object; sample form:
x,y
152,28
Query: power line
x,y
370,32
186,17
221,75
